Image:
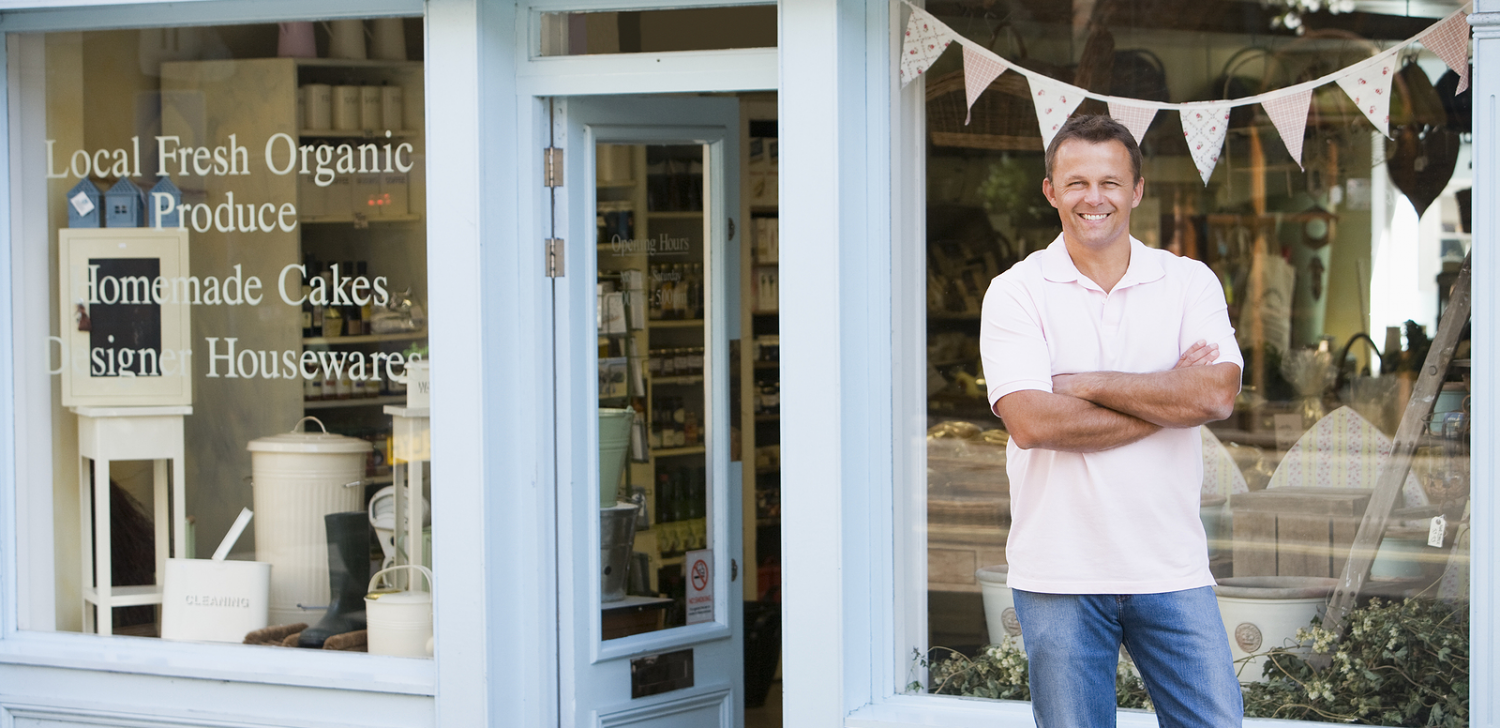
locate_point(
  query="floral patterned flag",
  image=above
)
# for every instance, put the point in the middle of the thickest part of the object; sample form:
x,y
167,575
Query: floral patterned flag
x,y
1369,85
926,39
1135,118
1204,126
1055,102
1289,113
1450,41
980,69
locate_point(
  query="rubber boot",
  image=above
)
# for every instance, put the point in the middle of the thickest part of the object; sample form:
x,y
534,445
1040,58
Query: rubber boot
x,y
348,577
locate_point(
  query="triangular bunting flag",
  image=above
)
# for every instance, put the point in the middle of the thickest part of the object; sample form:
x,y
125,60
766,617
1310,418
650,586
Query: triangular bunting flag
x,y
979,70
1054,102
1135,118
1450,41
1289,113
1204,126
1370,88
926,39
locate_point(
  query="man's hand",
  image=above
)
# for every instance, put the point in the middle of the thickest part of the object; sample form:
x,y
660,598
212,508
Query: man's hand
x,y
1197,355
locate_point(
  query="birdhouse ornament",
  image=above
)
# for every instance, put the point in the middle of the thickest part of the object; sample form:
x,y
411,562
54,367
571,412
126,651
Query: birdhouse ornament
x,y
124,205
163,205
84,205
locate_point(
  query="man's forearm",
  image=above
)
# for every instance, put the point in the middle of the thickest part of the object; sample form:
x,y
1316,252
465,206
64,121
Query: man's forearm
x,y
1183,397
1037,419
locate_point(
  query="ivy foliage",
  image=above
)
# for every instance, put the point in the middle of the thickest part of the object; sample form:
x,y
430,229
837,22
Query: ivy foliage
x,y
1397,664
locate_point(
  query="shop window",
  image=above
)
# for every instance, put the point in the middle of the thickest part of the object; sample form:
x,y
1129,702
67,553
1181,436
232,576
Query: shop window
x,y
658,31
1336,271
237,348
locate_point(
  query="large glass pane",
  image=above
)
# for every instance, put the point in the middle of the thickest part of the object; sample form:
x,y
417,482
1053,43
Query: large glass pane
x,y
654,385
658,31
234,216
1336,271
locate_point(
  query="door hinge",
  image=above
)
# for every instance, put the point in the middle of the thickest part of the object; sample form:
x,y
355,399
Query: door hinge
x,y
554,257
552,167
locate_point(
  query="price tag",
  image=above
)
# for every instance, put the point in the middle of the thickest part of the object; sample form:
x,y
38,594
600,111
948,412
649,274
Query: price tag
x,y
1435,531
82,203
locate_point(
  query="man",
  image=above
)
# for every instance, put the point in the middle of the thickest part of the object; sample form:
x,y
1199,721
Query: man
x,y
1103,357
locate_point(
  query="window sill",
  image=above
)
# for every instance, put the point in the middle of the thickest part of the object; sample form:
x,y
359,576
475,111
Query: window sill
x,y
924,711
232,663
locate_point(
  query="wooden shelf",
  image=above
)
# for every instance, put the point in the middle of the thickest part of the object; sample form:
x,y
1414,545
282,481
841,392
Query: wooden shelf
x,y
349,219
348,63
614,185
360,402
676,214
764,522
364,338
356,133
766,312
674,323
768,365
691,379
767,418
669,452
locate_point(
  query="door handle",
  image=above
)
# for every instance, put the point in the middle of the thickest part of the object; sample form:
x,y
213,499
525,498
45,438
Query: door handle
x,y
734,569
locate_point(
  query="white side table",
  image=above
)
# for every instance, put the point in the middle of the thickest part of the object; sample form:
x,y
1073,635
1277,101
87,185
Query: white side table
x,y
411,445
106,434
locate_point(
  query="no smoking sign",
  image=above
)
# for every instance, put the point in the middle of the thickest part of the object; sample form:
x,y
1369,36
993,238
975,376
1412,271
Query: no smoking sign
x,y
700,587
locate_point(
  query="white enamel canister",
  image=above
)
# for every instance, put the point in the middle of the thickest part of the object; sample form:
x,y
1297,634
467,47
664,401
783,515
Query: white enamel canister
x,y
399,622
298,478
999,605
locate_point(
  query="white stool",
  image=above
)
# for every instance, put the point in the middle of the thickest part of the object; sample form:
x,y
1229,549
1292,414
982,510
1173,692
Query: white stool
x,y
411,445
106,434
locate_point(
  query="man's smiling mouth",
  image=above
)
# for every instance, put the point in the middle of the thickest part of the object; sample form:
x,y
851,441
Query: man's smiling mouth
x,y
1094,216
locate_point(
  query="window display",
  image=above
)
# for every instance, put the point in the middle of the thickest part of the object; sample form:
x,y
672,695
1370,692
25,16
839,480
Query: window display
x,y
239,349
1339,273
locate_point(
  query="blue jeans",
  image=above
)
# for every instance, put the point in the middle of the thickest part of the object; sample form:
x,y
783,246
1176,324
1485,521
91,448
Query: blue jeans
x,y
1176,639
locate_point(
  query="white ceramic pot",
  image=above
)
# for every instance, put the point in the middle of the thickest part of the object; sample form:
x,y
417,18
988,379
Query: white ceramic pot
x,y
1261,613
299,477
999,605
399,623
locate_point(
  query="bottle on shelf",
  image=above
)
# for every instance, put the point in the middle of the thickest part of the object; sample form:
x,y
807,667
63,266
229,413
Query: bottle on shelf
x,y
315,270
307,307
353,325
367,310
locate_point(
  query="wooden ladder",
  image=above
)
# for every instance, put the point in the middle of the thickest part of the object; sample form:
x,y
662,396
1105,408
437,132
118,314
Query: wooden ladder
x,y
1414,423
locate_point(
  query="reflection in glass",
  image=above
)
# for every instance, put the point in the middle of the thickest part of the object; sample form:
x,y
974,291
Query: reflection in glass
x,y
658,31
1335,270
252,336
652,385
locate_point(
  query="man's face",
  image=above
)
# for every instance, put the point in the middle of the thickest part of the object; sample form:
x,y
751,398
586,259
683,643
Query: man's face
x,y
1093,188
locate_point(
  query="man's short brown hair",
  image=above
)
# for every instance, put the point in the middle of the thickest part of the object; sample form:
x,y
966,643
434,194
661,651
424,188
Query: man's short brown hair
x,y
1096,129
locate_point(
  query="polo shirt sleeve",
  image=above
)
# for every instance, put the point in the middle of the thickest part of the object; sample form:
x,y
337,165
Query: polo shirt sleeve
x,y
1207,317
1012,342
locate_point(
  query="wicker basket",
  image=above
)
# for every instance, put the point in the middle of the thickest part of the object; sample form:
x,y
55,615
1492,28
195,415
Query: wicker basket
x,y
1003,115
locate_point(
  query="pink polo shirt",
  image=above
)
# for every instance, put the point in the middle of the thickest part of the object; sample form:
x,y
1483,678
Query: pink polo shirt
x,y
1122,521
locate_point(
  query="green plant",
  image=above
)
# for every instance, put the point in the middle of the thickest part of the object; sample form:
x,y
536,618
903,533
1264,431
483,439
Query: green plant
x,y
1397,664
1000,672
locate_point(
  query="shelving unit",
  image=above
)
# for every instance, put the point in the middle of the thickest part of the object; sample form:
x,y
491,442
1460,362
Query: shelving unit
x,y
762,489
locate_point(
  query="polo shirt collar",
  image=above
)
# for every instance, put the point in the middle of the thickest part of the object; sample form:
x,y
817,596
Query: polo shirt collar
x,y
1057,266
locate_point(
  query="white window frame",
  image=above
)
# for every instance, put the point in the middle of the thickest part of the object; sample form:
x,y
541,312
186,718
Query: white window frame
x,y
854,556
48,674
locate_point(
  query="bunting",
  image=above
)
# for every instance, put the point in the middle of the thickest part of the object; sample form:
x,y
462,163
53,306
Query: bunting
x,y
1135,118
979,72
1368,84
1055,102
926,39
1449,39
1289,114
1204,126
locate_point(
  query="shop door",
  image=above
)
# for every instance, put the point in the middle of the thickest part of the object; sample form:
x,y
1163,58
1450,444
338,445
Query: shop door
x,y
649,523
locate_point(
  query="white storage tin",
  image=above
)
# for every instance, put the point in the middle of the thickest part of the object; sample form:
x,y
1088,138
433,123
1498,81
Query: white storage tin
x,y
299,477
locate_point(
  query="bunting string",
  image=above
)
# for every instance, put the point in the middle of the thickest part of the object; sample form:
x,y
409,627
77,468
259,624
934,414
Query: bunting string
x,y
1366,82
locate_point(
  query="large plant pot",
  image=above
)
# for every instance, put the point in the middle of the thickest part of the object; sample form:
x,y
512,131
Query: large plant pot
x,y
999,605
1261,613
614,443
